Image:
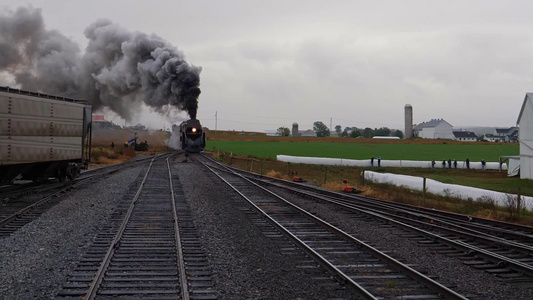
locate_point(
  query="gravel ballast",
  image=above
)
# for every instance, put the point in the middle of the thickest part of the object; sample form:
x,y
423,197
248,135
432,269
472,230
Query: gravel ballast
x,y
247,260
36,260
450,271
246,263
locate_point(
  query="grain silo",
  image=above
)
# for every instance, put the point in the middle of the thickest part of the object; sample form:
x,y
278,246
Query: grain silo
x,y
408,121
295,129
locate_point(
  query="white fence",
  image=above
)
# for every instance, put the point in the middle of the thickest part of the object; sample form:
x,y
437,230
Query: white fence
x,y
444,189
384,163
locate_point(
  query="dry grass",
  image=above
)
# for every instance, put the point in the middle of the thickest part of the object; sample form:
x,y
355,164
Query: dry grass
x,y
332,177
276,174
103,154
482,208
334,186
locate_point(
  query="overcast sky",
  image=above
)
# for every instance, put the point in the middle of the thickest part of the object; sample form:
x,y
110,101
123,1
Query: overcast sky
x,y
267,64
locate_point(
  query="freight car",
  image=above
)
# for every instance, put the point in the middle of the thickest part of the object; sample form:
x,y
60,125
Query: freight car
x,y
42,136
192,137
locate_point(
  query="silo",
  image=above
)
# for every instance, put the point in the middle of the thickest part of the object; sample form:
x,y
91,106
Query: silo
x,y
408,121
295,129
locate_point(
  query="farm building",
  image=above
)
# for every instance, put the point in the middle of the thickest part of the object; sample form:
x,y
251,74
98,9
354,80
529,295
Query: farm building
x,y
434,129
525,124
489,137
509,135
465,136
307,133
503,135
99,122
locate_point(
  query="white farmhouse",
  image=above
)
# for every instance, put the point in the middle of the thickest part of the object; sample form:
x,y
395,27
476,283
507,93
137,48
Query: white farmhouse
x,y
434,129
465,136
508,135
525,124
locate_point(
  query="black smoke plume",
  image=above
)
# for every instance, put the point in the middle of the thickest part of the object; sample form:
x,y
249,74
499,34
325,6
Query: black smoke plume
x,y
119,69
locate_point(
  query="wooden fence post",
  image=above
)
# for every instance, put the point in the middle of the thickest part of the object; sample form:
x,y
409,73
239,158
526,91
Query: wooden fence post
x,y
424,190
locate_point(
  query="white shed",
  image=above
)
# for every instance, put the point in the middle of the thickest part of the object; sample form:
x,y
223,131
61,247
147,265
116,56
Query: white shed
x,y
525,124
434,129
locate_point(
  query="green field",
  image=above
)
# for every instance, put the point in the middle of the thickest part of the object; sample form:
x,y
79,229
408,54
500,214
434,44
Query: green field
x,y
387,151
491,180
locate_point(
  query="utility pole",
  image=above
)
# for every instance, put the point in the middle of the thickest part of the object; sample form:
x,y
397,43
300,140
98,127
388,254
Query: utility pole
x,y
216,120
330,124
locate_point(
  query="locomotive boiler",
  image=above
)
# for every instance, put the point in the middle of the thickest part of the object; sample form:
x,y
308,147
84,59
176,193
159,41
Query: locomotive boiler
x,y
42,136
192,136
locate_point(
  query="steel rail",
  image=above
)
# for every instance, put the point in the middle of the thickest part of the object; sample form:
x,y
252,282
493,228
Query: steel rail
x,y
459,231
475,224
480,223
78,181
97,281
21,212
456,217
450,228
430,283
179,249
321,260
490,256
432,222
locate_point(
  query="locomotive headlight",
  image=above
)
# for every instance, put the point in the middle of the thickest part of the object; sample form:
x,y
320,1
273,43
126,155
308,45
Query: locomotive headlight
x,y
193,130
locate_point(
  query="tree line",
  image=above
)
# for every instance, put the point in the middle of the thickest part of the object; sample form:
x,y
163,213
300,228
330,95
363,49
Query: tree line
x,y
322,130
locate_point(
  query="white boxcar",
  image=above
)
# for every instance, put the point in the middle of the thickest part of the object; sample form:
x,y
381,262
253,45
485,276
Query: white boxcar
x,y
42,136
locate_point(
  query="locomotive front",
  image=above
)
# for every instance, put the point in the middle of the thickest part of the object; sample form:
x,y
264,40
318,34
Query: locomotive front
x,y
192,137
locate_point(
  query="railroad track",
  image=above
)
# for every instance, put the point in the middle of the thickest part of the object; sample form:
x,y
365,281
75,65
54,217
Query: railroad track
x,y
151,249
21,207
371,273
499,248
38,187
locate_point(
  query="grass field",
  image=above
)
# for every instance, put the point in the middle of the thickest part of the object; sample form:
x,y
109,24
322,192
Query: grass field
x,y
387,151
438,150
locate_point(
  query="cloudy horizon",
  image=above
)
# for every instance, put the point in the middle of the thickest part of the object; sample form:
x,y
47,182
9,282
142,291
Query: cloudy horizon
x,y
352,63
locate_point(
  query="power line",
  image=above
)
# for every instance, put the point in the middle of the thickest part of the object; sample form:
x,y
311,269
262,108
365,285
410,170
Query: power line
x,y
273,118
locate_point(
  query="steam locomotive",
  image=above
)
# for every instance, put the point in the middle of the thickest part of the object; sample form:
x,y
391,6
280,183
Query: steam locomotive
x,y
192,137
